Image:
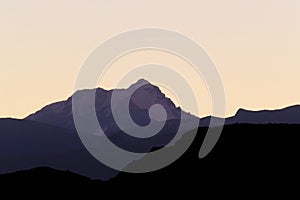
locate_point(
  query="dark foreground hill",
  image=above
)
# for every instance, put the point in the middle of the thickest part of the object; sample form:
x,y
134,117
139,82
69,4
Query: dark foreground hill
x,y
256,155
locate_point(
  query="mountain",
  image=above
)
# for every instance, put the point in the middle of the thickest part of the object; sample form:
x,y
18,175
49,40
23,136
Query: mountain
x,y
48,137
141,96
144,95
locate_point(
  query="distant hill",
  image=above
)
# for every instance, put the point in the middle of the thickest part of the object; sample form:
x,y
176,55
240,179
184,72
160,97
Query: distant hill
x,y
289,115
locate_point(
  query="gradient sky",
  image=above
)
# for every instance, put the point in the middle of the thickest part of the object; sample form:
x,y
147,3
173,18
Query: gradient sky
x,y
254,44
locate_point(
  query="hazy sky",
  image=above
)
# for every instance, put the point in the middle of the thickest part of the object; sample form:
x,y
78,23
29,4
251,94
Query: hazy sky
x,y
254,44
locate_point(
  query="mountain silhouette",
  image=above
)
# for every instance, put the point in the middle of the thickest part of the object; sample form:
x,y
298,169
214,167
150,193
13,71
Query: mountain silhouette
x,y
144,96
49,138
289,115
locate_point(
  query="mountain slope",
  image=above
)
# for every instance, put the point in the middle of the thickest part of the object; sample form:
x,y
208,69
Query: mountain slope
x,y
27,144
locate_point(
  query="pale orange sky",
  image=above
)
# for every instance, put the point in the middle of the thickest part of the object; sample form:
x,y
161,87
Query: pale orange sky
x,y
254,44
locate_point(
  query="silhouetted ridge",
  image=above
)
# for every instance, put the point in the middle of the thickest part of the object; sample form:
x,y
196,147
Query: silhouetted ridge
x,y
289,115
144,96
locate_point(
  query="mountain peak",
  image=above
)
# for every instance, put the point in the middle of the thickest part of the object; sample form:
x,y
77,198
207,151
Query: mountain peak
x,y
140,83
